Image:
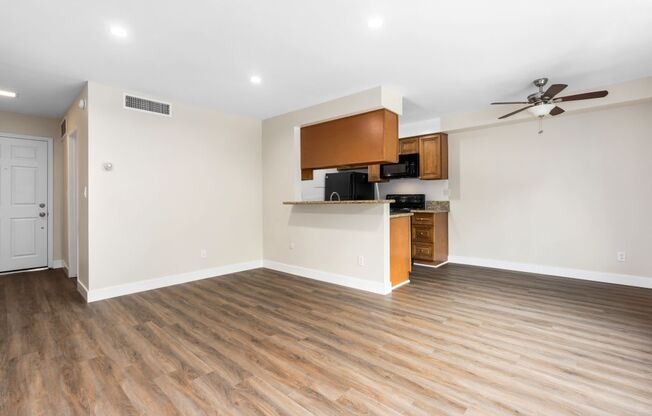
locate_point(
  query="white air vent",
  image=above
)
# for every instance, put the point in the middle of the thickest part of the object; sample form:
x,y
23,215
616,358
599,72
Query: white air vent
x,y
143,104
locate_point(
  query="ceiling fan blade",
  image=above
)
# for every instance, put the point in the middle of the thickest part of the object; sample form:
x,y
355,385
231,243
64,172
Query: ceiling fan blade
x,y
514,112
554,90
512,102
585,96
556,111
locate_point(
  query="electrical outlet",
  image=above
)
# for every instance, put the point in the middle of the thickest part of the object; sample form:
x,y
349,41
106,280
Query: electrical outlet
x,y
292,246
622,256
360,260
203,253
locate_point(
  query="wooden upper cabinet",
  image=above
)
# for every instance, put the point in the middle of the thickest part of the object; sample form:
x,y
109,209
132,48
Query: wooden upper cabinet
x,y
408,146
363,139
433,156
373,174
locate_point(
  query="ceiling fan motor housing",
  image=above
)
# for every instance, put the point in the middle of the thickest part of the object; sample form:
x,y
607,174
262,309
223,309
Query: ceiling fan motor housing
x,y
540,82
534,97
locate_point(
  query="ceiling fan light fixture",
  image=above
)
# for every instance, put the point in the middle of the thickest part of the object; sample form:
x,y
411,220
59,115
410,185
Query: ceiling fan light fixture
x,y
541,110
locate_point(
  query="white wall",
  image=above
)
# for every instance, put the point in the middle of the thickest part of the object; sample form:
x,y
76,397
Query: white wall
x,y
325,241
179,184
570,198
328,239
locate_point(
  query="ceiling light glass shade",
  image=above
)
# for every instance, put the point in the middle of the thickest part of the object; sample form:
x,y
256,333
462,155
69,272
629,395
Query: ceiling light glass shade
x,y
541,110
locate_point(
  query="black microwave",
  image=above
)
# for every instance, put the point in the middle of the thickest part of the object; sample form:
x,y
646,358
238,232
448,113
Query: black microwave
x,y
407,167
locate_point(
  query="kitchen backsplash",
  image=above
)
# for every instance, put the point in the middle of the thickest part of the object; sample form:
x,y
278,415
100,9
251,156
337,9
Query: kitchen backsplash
x,y
438,205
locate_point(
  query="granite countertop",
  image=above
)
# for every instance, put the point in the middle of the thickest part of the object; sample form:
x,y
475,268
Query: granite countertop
x,y
401,214
434,207
361,202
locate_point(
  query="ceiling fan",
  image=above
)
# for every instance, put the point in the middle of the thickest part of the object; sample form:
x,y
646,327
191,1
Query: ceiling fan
x,y
542,103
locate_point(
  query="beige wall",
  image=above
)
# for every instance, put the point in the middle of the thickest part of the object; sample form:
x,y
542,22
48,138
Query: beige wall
x,y
179,184
570,198
327,240
44,127
77,121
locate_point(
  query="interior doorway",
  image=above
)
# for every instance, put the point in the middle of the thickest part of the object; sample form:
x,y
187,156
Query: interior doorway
x,y
72,199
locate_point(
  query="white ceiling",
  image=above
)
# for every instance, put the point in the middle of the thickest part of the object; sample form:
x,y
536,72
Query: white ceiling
x,y
445,56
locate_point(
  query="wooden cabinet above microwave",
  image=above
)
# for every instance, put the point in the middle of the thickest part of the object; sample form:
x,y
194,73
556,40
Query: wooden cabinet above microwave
x,y
433,156
359,140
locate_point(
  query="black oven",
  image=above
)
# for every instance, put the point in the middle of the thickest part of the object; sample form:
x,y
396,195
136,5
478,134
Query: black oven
x,y
407,167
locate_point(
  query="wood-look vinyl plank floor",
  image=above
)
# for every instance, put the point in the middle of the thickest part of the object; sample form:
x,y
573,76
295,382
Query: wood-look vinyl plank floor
x,y
458,340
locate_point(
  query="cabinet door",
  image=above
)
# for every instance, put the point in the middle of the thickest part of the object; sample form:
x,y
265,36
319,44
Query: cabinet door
x,y
433,157
408,146
423,233
422,251
421,218
373,172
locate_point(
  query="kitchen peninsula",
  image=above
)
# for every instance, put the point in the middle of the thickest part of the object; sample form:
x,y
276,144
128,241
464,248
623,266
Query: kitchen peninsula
x,y
394,254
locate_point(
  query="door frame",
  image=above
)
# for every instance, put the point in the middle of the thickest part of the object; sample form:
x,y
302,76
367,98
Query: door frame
x,y
50,170
72,199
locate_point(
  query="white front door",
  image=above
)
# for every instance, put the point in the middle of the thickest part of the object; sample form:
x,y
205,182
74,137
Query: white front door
x,y
23,204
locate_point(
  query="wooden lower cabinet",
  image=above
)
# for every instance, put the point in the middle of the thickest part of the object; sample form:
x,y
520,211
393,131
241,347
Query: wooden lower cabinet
x,y
400,264
430,237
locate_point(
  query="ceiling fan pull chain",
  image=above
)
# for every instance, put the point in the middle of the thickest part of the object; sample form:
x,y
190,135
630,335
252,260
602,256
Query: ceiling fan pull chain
x,y
540,124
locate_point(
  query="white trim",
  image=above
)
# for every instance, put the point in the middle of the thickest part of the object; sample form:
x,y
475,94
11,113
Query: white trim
x,y
50,202
83,290
58,264
620,279
50,143
432,266
72,201
158,282
322,276
405,282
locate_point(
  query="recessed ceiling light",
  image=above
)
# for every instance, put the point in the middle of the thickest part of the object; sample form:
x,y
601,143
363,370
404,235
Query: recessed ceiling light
x,y
119,32
375,22
255,79
9,94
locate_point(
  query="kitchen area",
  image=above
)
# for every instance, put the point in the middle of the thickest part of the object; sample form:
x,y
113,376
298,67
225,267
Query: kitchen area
x,y
360,160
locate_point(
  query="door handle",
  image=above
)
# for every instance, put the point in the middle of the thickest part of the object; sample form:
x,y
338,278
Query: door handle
x,y
41,214
41,205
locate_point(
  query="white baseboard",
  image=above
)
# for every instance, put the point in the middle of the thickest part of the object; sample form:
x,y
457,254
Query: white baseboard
x,y
82,289
432,266
159,282
334,278
58,264
620,279
401,284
